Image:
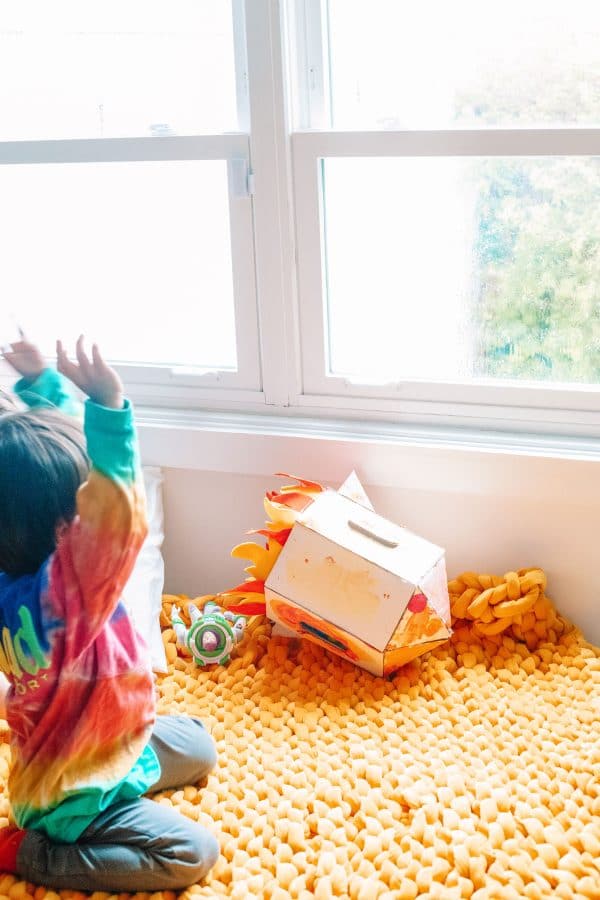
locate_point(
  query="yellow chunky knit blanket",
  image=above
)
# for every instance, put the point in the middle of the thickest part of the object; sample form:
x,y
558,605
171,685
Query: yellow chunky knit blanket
x,y
473,772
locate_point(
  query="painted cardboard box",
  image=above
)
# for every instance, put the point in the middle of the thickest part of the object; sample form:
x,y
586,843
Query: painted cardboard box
x,y
359,585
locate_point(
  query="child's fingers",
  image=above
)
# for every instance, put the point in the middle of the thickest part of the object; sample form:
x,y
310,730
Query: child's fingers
x,y
9,354
82,359
65,366
98,360
61,355
63,362
71,371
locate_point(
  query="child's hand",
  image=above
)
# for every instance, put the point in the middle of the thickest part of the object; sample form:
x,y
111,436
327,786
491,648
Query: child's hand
x,y
94,377
25,358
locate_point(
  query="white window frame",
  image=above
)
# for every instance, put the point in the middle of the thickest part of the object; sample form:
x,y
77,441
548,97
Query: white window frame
x,y
489,403
282,84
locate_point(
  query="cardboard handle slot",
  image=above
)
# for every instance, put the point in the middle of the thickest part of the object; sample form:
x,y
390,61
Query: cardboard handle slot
x,y
374,535
316,632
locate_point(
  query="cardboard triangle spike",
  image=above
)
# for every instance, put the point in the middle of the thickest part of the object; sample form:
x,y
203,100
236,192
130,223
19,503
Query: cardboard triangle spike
x,y
420,624
435,587
353,490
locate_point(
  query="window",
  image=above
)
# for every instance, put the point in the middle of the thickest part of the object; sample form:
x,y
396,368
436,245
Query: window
x,y
447,179
125,204
359,208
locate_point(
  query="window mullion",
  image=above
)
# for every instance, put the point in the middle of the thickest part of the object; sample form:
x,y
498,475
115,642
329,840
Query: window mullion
x,y
244,280
273,230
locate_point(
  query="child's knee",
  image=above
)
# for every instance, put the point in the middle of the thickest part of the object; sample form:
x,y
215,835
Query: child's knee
x,y
205,751
200,853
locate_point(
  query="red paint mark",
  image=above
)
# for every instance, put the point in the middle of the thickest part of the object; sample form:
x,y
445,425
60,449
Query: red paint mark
x,y
279,536
417,603
248,587
292,499
249,609
311,485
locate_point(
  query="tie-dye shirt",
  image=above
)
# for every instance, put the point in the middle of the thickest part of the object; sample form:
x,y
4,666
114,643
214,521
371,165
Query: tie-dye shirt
x,y
81,703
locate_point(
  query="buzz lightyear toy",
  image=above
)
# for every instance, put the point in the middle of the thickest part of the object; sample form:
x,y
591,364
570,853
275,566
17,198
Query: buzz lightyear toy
x,y
212,634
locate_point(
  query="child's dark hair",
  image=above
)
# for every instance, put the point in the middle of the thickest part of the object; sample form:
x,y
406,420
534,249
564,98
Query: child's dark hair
x,y
42,464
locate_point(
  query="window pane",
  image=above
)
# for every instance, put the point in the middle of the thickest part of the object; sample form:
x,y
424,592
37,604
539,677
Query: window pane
x,y
135,255
463,268
439,64
115,68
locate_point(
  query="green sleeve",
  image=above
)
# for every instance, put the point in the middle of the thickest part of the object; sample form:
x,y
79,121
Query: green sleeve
x,y
112,441
48,390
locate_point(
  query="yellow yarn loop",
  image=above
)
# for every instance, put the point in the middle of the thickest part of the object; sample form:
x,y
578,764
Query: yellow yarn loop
x,y
491,605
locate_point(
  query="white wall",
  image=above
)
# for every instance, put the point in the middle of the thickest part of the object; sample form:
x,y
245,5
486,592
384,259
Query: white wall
x,y
492,512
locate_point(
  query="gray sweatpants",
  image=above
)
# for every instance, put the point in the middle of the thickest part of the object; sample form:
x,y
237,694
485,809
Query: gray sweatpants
x,y
137,845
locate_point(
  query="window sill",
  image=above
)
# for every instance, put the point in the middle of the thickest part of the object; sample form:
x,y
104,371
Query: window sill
x,y
394,455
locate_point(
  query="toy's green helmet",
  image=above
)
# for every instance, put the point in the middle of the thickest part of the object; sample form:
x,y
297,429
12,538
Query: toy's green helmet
x,y
212,634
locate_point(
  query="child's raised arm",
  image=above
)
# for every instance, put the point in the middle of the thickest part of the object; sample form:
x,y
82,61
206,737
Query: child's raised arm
x,y
97,552
39,386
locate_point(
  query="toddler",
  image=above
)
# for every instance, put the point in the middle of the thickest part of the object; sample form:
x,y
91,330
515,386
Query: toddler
x,y
86,745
